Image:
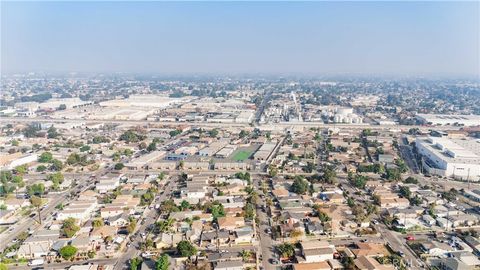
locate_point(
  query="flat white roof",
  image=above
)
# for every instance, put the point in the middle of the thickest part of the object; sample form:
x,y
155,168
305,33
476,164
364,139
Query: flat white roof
x,y
462,151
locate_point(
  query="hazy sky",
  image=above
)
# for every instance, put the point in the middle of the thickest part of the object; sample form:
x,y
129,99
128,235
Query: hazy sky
x,y
241,37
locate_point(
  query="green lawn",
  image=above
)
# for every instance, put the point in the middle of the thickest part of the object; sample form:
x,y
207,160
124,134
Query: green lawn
x,y
242,155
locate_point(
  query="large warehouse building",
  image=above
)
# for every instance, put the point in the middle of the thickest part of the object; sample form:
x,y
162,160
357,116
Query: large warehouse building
x,y
450,157
445,119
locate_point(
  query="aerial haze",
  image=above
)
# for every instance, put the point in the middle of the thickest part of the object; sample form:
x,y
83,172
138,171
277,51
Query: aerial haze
x,y
241,37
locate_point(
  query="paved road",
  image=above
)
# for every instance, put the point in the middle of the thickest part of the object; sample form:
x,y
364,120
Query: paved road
x,y
397,243
407,155
150,216
262,106
26,223
266,241
64,265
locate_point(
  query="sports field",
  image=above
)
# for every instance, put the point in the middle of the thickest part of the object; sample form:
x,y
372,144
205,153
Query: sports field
x,y
242,155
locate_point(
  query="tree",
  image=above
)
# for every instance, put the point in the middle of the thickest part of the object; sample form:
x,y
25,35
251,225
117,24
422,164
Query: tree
x,y
371,208
286,250
130,136
359,213
186,249
411,180
213,133
401,165
450,195
75,158
85,148
323,217
162,263
36,189
376,199
246,255
100,139
91,254
57,165
164,225
97,222
184,205
131,226
244,176
329,175
309,167
52,133
56,178
69,227
3,266
296,233
175,132
393,174
146,198
119,166
152,147
272,171
168,206
37,202
405,192
249,211
22,169
68,252
359,181
348,262
415,200
45,157
135,263
300,186
41,168
217,210
31,131
243,134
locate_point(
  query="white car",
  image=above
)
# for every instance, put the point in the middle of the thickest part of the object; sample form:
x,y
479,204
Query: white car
x,y
147,255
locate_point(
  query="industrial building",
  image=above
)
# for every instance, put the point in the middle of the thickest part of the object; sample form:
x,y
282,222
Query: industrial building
x,y
450,157
265,151
145,160
443,119
213,148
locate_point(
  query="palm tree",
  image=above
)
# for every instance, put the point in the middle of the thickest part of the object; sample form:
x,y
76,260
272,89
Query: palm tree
x,y
246,255
37,202
269,201
165,225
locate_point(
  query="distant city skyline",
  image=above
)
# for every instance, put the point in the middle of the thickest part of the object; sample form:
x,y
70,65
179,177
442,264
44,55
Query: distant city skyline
x,y
404,38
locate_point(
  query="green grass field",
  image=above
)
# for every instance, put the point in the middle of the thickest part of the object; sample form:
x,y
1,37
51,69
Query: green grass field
x,y
242,155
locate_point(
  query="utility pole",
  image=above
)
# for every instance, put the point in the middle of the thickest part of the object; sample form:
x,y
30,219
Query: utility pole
x,y
468,178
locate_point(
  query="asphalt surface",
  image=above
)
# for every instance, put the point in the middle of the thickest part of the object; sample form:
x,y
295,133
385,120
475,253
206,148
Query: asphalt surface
x,y
7,237
149,217
266,246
